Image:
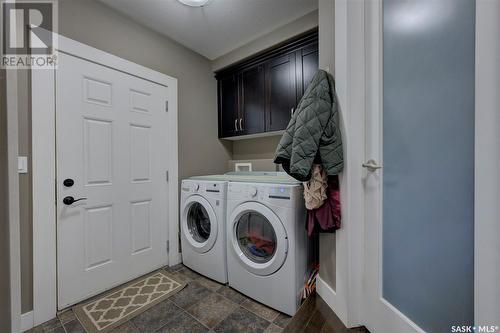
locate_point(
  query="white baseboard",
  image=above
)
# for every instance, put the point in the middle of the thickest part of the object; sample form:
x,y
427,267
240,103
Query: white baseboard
x,y
330,297
27,322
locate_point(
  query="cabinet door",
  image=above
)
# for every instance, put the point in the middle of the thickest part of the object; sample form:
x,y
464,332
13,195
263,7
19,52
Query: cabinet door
x,y
252,101
307,66
281,91
228,106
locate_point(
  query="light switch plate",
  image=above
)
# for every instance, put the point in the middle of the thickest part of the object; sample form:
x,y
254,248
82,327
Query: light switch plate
x,y
22,164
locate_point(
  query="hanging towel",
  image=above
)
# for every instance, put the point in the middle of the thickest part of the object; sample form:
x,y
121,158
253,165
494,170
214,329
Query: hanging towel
x,y
315,188
326,218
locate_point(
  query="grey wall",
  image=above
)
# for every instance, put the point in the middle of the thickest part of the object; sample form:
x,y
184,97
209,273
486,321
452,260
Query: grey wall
x,y
200,152
259,148
428,147
4,213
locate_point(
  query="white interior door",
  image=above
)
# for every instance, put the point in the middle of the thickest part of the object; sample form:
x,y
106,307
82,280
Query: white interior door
x,y
419,153
112,157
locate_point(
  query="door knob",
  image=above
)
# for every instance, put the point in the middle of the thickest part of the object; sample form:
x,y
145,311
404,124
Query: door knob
x,y
69,200
371,165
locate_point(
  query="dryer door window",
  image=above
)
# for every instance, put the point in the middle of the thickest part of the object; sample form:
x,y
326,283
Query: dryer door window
x,y
256,237
198,222
259,239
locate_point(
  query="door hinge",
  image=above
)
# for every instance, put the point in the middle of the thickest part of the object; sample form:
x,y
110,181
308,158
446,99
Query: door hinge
x,y
166,176
166,106
168,246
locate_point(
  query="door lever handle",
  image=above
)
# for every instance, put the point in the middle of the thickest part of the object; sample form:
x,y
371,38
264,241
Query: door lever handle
x,y
69,200
371,165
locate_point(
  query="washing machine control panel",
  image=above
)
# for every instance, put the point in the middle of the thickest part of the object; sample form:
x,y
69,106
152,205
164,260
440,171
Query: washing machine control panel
x,y
190,187
252,191
213,187
255,192
207,188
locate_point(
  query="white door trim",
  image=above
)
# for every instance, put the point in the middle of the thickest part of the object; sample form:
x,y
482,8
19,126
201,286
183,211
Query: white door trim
x,y
14,247
345,297
26,321
44,169
13,200
487,164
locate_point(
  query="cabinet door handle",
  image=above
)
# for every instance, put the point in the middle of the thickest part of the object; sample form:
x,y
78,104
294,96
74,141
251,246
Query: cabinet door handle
x,y
236,125
241,128
291,112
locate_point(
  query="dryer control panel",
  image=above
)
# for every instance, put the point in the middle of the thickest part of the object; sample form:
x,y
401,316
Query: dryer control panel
x,y
279,192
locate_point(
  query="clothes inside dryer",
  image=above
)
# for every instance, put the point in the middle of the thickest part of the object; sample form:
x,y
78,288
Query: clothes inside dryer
x,y
256,237
198,222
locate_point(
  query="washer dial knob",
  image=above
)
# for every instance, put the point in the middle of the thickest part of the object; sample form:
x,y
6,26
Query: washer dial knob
x,y
252,191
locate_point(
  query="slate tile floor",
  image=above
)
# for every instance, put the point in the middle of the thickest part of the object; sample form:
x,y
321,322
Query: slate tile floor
x,y
202,306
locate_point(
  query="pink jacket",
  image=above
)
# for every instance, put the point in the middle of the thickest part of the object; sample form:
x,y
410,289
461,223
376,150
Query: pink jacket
x,y
327,217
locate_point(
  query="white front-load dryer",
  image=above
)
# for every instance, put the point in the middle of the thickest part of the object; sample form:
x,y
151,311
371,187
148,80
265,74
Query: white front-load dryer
x,y
267,244
203,230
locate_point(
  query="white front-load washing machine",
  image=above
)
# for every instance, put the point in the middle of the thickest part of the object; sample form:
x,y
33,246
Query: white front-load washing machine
x,y
203,230
267,244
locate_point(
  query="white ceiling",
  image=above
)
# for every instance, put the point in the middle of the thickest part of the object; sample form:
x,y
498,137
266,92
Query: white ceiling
x,y
217,28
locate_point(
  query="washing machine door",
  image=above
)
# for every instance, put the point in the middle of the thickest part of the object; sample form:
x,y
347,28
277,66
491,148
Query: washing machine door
x,y
199,224
258,238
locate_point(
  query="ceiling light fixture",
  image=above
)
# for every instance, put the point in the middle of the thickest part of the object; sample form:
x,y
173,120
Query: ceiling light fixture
x,y
194,3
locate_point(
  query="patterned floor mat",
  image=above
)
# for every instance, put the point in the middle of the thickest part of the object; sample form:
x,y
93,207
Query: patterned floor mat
x,y
108,311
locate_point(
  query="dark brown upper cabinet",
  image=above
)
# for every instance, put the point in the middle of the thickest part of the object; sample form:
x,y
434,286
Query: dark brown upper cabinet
x,y
281,91
227,87
252,101
260,94
307,66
